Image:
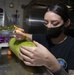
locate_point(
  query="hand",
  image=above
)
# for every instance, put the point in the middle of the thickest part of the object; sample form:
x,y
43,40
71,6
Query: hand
x,y
39,56
18,34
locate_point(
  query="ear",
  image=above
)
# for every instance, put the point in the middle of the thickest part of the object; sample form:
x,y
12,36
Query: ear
x,y
67,23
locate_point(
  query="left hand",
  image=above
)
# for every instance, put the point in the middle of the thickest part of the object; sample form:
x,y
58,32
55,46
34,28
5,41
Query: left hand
x,y
39,56
34,56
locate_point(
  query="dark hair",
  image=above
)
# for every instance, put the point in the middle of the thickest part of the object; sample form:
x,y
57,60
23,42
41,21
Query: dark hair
x,y
61,10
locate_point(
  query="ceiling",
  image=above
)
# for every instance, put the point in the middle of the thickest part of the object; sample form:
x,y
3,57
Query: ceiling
x,y
48,2
25,2
42,2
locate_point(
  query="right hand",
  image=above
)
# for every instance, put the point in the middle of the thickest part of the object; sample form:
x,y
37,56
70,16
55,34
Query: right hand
x,y
19,34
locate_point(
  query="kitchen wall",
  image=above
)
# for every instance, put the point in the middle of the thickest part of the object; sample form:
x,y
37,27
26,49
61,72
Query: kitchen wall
x,y
17,6
10,11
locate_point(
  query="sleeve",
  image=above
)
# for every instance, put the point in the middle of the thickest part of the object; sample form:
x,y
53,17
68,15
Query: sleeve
x,y
38,37
61,71
35,37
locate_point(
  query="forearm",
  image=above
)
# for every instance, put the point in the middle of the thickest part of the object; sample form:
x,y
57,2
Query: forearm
x,y
57,70
53,65
61,71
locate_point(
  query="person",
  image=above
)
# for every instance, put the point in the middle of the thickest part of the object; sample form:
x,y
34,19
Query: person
x,y
54,49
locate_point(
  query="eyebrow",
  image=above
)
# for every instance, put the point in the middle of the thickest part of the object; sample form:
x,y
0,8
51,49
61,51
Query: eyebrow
x,y
55,21
52,20
45,20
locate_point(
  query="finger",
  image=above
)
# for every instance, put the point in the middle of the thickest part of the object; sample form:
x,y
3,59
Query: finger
x,y
14,36
26,58
22,29
28,63
17,37
19,32
26,52
30,49
36,43
14,31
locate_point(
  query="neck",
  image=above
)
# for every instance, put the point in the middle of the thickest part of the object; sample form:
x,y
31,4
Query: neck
x,y
60,39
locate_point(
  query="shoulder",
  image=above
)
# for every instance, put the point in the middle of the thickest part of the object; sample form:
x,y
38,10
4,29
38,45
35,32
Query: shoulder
x,y
70,40
70,44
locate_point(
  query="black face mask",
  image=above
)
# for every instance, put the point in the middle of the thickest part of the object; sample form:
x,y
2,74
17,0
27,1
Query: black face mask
x,y
54,32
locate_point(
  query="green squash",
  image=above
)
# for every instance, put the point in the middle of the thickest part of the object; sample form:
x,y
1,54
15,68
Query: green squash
x,y
14,46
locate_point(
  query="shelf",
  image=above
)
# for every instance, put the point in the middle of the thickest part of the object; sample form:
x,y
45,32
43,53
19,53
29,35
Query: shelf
x,y
3,45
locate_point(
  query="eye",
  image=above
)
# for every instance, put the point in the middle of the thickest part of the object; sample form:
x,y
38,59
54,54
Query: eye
x,y
55,23
45,22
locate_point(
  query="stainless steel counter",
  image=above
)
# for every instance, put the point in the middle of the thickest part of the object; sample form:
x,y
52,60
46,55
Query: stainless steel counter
x,y
11,65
